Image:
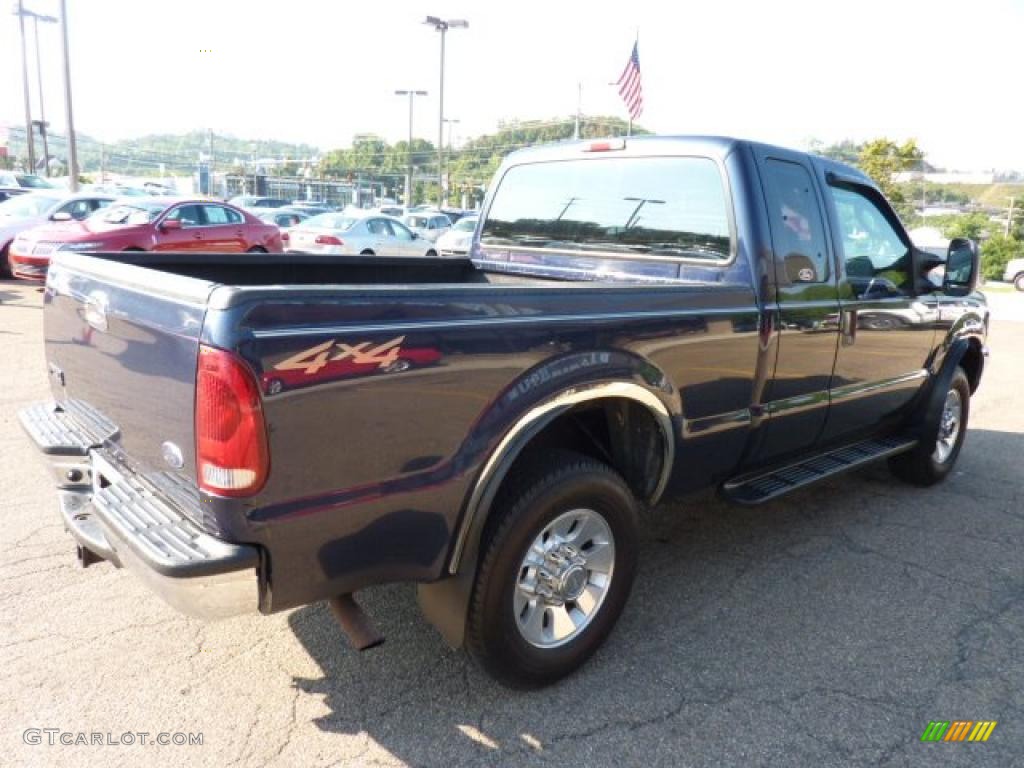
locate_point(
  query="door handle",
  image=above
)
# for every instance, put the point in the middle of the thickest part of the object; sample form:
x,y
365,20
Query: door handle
x,y
848,327
197,236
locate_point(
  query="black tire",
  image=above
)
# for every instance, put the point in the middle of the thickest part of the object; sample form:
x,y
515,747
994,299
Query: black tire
x,y
367,252
5,263
257,249
535,496
921,466
1018,282
431,254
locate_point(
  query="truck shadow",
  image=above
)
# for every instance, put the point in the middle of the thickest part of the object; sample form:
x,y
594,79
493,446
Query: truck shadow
x,y
738,615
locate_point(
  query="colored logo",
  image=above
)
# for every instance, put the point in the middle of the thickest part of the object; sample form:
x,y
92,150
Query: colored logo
x,y
958,730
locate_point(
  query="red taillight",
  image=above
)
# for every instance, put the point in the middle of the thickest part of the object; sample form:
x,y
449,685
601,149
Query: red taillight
x,y
328,240
232,458
605,146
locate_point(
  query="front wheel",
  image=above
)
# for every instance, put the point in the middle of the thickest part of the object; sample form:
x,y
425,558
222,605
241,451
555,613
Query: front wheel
x,y
431,254
932,460
1018,282
556,569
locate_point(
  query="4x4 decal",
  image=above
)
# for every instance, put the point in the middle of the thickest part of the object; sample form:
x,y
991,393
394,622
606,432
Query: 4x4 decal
x,y
312,360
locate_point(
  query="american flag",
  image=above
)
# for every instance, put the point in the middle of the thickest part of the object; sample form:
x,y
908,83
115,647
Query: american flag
x,y
630,89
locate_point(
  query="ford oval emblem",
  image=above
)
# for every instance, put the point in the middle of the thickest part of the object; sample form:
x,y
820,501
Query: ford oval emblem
x,y
172,455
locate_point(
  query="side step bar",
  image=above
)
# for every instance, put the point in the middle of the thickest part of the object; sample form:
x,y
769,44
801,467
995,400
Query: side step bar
x,y
758,488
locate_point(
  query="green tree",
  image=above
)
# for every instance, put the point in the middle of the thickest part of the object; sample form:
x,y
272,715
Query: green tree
x,y
881,158
973,225
996,252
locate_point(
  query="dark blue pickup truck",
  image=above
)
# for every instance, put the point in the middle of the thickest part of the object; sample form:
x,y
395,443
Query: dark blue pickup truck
x,y
639,318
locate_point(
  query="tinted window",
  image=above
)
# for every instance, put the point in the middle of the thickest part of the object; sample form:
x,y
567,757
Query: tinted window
x,y
78,209
400,231
188,215
216,215
673,206
876,258
798,234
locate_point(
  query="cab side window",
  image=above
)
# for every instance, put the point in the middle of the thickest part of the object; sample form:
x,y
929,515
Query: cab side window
x,y
876,259
798,233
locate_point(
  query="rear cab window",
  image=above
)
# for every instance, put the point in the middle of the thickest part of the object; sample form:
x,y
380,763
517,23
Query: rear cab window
x,y
650,212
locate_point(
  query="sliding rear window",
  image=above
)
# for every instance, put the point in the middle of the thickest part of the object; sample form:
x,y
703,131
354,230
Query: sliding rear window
x,y
658,206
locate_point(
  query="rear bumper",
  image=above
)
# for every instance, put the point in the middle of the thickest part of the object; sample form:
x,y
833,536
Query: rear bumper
x,y
118,516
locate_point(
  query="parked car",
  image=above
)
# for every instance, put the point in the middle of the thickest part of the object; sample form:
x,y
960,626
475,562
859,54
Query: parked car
x,y
32,210
146,224
1014,273
336,233
258,201
428,226
6,193
24,180
456,241
593,359
285,219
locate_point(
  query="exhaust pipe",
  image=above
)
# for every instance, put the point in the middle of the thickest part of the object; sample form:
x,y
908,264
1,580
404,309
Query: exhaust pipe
x,y
354,622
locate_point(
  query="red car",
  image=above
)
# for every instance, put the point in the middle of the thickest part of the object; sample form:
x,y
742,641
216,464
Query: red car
x,y
146,224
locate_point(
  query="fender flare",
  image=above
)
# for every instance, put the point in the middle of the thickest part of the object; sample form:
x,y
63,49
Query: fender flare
x,y
925,423
445,603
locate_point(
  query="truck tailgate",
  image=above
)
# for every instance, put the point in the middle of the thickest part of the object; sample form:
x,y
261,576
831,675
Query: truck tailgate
x,y
122,346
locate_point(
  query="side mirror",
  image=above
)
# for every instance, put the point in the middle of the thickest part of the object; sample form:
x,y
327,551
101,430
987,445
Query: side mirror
x,y
169,225
61,216
962,267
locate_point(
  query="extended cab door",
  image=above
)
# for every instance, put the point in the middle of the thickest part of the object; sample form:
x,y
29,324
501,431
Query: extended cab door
x,y
796,399
886,330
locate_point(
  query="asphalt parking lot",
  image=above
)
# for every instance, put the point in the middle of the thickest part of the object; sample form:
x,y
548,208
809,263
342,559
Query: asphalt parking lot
x,y
827,628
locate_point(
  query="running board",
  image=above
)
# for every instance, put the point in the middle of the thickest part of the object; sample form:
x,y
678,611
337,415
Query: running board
x,y
768,485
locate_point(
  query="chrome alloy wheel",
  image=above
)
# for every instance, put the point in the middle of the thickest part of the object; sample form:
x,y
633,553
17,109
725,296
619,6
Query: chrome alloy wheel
x,y
564,578
949,426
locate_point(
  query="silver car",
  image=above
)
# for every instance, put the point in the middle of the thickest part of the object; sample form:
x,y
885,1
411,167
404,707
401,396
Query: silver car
x,y
24,212
457,240
336,233
428,225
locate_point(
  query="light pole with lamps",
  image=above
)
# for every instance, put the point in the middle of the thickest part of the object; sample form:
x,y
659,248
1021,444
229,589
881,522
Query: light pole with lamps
x,y
442,26
20,12
408,148
72,148
451,122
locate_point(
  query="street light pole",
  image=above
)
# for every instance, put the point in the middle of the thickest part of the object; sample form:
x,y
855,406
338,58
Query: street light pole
x,y
29,138
43,125
408,147
451,123
72,149
442,26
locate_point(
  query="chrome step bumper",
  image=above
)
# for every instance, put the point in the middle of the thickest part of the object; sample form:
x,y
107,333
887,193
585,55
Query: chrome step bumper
x,y
119,517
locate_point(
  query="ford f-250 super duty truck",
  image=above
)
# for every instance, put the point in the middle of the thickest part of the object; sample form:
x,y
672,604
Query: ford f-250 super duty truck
x,y
638,318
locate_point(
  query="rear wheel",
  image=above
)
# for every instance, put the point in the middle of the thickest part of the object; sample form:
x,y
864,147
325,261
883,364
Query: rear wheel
x,y
431,254
257,249
5,263
556,568
367,252
1018,282
933,459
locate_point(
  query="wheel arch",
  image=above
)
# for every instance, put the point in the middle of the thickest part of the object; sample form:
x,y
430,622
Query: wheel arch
x,y
642,415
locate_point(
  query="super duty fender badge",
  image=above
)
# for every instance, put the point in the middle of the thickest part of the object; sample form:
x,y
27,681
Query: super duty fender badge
x,y
311,360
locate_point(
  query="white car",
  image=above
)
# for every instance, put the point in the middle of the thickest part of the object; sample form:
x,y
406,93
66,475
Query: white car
x,y
456,241
428,225
1015,273
338,234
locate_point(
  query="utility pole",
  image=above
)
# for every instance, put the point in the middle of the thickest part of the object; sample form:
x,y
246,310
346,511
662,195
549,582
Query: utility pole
x,y
43,125
408,177
442,26
1009,218
579,101
29,137
72,149
213,185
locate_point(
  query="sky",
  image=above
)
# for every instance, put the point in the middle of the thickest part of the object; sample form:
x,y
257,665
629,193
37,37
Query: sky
x,y
320,71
